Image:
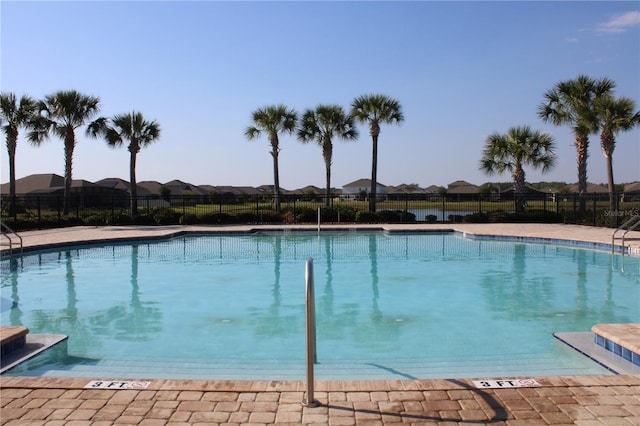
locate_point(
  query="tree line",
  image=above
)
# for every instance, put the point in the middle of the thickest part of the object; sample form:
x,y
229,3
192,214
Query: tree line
x,y
586,104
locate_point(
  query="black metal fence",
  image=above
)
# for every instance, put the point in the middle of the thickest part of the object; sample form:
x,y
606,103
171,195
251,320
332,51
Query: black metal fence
x,y
46,210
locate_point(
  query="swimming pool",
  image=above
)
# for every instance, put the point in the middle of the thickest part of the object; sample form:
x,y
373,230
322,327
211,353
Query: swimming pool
x,y
388,305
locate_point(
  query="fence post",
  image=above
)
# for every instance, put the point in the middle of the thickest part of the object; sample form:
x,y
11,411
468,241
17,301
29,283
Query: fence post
x,y
39,211
258,208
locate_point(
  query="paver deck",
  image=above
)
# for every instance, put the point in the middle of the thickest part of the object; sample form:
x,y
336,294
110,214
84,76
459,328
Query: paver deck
x,y
579,400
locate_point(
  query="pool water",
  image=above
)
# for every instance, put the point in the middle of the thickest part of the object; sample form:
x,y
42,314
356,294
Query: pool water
x,y
387,306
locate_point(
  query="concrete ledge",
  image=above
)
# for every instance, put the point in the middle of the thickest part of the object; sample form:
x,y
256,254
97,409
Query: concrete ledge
x,y
34,345
12,338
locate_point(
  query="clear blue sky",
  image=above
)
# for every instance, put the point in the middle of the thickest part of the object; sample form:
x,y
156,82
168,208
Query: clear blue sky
x,y
461,70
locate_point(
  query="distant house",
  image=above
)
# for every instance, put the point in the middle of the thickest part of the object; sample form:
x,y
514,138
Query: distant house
x,y
117,183
528,190
152,187
47,191
592,188
407,192
230,194
178,187
631,191
360,186
33,183
461,190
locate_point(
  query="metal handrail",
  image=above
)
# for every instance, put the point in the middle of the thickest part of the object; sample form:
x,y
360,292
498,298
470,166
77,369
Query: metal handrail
x,y
6,228
311,333
634,218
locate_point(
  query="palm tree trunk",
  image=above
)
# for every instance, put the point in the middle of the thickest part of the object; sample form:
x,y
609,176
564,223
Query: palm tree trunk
x,y
276,174
133,187
608,145
327,153
582,150
375,131
69,145
520,188
11,148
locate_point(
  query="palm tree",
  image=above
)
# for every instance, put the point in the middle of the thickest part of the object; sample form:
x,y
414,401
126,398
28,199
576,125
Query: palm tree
x,y
321,125
130,127
615,115
520,146
13,115
375,109
273,120
62,113
572,102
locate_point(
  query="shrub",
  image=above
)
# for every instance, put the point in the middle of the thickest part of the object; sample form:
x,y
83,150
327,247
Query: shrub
x,y
95,220
366,217
476,218
142,219
456,218
431,218
165,216
347,213
246,218
305,215
396,216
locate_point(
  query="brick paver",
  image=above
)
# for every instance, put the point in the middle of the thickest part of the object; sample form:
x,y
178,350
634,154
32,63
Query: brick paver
x,y
578,400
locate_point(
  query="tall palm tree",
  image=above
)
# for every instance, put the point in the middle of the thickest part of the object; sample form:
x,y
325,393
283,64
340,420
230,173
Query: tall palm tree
x,y
62,113
572,102
615,115
374,110
511,151
13,115
130,127
322,125
272,120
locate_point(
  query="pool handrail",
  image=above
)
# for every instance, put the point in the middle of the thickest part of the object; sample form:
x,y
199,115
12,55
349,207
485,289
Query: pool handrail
x,y
632,223
309,401
6,232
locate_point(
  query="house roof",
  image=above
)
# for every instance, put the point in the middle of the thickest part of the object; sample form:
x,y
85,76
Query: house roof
x,y
405,188
459,183
592,188
117,183
179,187
632,187
360,183
528,189
462,187
152,186
35,182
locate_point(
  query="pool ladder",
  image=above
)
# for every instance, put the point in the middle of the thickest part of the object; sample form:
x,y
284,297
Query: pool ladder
x,y
11,235
628,226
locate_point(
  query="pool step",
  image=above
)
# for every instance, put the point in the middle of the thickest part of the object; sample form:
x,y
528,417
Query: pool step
x,y
622,340
326,370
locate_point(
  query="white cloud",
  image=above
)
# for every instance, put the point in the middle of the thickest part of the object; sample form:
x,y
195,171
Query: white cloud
x,y
620,23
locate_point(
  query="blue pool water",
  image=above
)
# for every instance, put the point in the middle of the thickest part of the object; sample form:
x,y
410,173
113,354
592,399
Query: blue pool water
x,y
387,306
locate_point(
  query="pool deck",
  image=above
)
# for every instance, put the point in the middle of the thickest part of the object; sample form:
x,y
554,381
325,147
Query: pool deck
x,y
579,400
